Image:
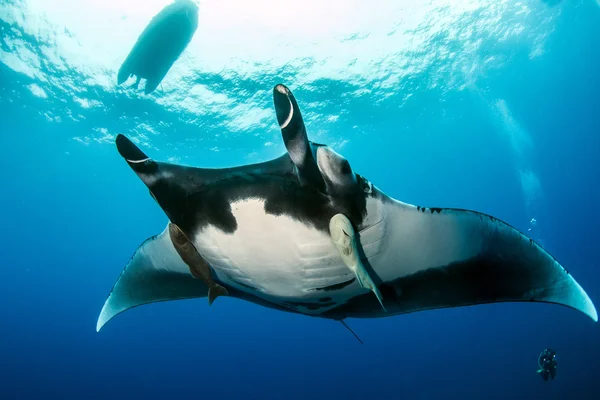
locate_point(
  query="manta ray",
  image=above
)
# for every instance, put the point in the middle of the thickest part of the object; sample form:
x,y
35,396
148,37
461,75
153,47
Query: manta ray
x,y
305,233
160,44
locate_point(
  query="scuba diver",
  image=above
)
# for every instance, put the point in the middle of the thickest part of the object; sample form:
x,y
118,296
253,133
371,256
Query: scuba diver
x,y
547,364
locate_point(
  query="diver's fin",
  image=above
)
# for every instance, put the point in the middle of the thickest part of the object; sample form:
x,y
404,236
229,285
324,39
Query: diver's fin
x,y
216,291
351,331
343,235
154,273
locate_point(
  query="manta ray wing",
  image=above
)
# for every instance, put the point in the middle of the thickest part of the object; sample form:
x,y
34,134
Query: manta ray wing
x,y
440,258
155,273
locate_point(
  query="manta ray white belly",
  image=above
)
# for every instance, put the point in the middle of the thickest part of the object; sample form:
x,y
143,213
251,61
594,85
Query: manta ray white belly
x,y
275,255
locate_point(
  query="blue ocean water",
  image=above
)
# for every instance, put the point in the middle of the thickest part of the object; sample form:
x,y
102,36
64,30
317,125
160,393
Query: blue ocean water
x,y
484,105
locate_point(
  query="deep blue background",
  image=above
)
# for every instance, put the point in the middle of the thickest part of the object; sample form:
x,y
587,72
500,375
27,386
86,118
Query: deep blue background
x,y
73,215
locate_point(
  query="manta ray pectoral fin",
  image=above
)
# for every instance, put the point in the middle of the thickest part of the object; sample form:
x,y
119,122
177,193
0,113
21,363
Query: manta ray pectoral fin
x,y
462,258
154,273
344,237
129,151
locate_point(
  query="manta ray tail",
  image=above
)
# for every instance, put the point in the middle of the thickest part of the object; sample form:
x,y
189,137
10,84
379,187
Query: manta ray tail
x,y
154,273
351,331
216,291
